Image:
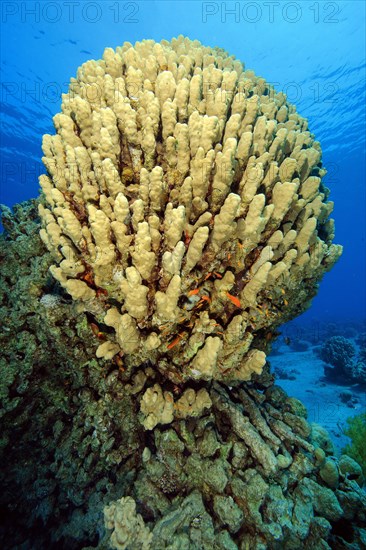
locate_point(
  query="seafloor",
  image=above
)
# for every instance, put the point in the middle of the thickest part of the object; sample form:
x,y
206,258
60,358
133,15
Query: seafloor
x,y
300,372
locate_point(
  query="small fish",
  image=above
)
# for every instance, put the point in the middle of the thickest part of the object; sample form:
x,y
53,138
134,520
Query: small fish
x,y
174,342
176,390
95,329
218,275
285,302
287,341
341,429
234,299
193,292
88,278
119,363
97,332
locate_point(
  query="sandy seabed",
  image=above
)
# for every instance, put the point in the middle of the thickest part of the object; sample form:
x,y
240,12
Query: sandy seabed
x,y
321,397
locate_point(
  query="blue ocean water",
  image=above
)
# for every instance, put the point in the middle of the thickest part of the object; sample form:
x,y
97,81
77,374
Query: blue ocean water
x,y
313,51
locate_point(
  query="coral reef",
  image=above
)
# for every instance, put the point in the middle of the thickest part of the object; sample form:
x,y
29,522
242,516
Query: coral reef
x,y
184,208
180,224
73,441
346,366
338,352
357,372
244,473
361,341
63,442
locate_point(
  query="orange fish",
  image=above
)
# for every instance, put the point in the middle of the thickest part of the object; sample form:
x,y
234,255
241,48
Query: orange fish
x,y
206,298
234,300
174,342
193,292
87,277
119,363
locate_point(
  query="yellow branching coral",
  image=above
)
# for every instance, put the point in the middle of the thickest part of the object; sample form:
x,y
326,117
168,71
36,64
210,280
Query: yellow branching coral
x,y
185,207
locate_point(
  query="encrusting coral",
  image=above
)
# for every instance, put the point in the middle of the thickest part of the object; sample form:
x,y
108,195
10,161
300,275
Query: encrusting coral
x,y
184,213
184,208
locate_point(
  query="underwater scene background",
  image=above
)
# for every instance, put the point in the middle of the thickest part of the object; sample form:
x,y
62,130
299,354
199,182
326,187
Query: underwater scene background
x,y
56,393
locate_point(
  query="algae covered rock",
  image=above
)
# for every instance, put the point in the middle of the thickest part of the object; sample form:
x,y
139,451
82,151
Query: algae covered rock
x,y
321,438
228,513
350,468
329,473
